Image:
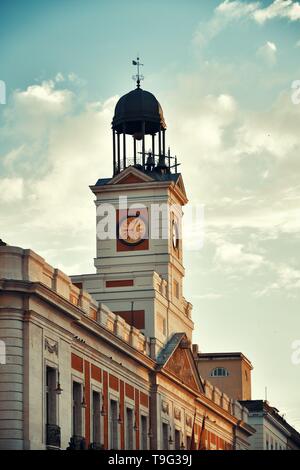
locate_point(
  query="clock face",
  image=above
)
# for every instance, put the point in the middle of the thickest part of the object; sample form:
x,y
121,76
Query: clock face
x,y
132,230
175,235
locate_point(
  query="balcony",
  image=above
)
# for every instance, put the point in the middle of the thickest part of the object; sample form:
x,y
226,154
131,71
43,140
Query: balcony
x,y
53,436
77,443
96,446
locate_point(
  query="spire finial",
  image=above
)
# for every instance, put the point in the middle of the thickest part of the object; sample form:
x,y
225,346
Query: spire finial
x,y
138,77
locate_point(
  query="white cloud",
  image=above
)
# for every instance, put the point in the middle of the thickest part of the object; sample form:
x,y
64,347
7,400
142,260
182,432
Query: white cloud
x,y
268,52
233,255
229,148
287,279
46,93
32,112
202,125
11,190
236,9
10,158
272,131
63,150
59,77
278,9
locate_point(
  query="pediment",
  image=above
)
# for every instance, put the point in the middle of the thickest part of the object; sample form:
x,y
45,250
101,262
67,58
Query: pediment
x,y
180,363
180,185
130,175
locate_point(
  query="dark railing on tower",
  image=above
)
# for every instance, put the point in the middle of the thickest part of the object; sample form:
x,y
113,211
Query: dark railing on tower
x,y
125,155
138,123
168,164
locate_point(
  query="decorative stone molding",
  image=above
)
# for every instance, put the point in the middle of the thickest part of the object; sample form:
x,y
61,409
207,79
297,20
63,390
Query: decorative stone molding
x,y
187,308
26,265
51,346
110,321
225,401
188,421
217,396
160,284
119,326
237,409
177,413
165,407
208,387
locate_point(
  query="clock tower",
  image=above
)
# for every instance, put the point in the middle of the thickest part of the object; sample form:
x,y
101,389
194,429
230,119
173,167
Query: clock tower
x,y
139,263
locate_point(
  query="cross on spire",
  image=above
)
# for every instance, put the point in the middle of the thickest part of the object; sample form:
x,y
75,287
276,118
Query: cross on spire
x,y
138,77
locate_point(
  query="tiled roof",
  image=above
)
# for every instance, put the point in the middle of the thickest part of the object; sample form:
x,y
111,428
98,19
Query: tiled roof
x,y
169,348
156,176
262,405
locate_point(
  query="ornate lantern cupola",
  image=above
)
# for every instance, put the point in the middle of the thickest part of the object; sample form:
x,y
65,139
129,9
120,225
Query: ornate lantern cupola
x,y
138,114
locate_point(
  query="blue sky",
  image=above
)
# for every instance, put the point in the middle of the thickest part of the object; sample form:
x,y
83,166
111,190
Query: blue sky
x,y
95,39
223,73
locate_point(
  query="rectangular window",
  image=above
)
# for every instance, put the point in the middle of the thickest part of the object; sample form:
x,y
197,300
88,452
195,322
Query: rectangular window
x,y
177,440
144,433
176,289
96,419
53,435
77,409
51,396
161,324
129,429
188,442
165,436
113,424
119,283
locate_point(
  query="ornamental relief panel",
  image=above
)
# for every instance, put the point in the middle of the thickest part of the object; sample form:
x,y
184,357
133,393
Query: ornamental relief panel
x,y
180,366
51,346
177,414
165,407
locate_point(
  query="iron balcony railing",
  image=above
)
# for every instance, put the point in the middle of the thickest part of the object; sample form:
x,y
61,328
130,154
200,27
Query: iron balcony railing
x,y
53,435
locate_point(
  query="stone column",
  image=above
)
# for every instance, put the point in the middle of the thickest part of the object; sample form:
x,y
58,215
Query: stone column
x,y
11,374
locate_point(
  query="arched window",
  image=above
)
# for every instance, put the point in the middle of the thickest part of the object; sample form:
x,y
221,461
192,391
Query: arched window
x,y
219,372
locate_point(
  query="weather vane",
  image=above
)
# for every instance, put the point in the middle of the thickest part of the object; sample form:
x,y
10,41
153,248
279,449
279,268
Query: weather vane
x,y
137,77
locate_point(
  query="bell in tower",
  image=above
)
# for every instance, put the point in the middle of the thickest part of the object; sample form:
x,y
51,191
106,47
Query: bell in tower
x,y
139,120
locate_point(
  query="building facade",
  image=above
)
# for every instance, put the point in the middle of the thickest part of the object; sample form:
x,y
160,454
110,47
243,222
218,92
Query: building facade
x,y
104,360
231,372
272,430
77,375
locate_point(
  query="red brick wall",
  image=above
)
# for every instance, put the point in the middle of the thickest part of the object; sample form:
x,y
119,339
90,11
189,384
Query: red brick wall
x,y
87,395
91,371
76,362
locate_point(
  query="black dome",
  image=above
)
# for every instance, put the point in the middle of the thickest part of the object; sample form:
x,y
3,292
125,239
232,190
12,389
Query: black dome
x,y
136,107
